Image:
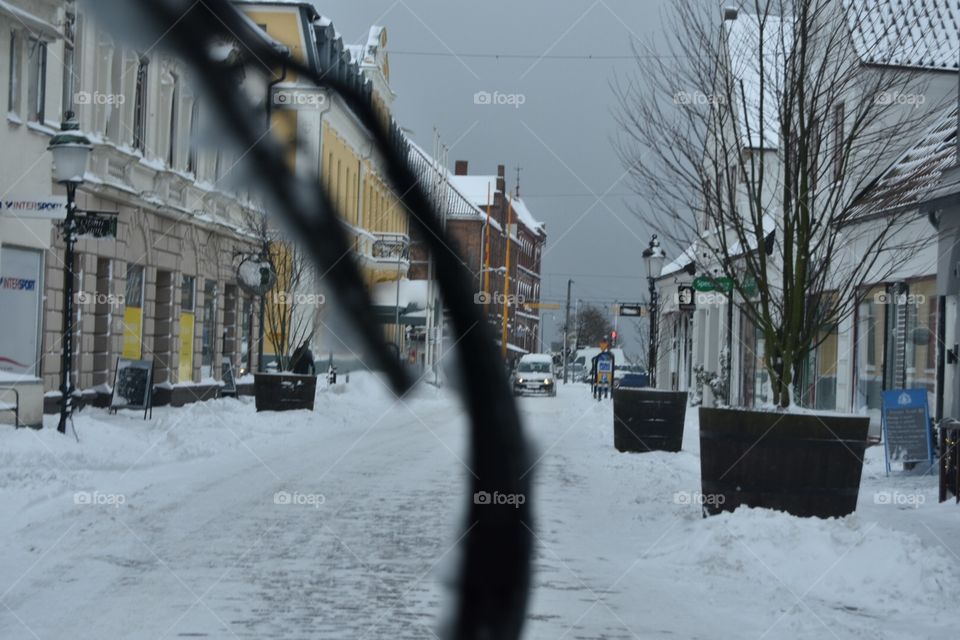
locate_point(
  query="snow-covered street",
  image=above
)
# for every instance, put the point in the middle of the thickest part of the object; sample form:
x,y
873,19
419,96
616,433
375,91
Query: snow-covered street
x,y
213,521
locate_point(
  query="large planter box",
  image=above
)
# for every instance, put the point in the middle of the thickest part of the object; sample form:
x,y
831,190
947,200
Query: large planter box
x,y
804,464
648,419
284,391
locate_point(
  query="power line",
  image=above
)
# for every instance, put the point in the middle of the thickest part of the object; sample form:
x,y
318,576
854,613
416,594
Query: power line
x,y
578,195
527,56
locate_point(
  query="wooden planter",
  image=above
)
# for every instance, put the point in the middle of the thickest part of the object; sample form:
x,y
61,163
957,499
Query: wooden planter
x,y
284,391
648,420
806,465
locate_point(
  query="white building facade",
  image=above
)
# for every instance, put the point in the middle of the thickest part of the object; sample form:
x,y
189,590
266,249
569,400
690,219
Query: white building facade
x,y
165,288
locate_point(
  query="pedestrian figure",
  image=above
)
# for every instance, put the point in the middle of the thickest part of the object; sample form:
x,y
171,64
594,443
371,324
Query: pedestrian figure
x,y
301,362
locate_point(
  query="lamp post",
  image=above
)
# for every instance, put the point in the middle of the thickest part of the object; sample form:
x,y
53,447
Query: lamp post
x,y
70,151
653,257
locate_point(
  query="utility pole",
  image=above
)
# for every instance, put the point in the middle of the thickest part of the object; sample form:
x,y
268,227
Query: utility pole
x,y
486,256
506,285
566,332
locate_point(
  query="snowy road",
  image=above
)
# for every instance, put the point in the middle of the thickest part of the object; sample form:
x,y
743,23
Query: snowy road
x,y
342,525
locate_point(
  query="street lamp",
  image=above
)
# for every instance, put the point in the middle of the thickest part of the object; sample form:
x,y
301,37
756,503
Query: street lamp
x,y
70,150
653,257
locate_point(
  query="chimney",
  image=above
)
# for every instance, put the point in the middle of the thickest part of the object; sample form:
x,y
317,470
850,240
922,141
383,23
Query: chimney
x,y
501,182
460,168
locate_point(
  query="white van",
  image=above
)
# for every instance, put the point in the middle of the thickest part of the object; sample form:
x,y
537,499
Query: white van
x,y
534,374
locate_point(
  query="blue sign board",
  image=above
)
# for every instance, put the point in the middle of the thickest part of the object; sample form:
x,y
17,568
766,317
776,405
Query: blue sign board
x,y
907,436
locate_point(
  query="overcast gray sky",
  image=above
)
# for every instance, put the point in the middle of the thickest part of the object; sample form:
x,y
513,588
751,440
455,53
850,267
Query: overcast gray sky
x,y
561,135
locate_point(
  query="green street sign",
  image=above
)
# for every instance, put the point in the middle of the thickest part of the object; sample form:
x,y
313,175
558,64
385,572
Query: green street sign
x,y
704,284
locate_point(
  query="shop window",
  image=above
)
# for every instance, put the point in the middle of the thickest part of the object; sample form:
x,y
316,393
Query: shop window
x,y
871,337
208,328
133,313
187,297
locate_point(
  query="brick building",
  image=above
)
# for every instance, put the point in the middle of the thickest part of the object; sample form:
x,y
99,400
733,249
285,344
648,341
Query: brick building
x,y
478,210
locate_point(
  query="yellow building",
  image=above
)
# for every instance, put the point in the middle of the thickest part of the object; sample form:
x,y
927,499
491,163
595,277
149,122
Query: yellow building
x,y
335,147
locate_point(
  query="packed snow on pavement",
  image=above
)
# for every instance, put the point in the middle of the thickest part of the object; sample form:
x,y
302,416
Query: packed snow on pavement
x,y
214,521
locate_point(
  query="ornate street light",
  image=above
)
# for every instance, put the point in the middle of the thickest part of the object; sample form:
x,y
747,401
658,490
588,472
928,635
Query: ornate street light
x,y
70,149
653,257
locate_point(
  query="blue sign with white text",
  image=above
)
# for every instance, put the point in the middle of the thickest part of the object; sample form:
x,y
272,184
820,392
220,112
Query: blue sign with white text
x,y
907,436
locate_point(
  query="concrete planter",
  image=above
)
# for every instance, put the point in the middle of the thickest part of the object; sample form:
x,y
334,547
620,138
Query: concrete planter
x,y
804,464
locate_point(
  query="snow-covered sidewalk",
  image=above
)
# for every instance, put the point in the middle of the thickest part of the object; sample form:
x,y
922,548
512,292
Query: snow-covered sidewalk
x,y
214,521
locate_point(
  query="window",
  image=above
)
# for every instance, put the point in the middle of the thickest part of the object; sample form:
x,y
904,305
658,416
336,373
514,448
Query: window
x,y
838,141
140,105
186,293
13,83
36,79
134,291
174,116
192,155
69,60
209,327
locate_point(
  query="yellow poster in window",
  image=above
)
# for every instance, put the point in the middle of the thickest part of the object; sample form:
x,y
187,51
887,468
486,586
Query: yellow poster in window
x,y
185,369
133,333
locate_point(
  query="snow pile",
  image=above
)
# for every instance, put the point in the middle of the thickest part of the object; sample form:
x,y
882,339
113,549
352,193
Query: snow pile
x,y
849,562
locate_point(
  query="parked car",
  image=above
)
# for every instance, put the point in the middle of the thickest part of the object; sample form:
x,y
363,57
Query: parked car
x,y
534,374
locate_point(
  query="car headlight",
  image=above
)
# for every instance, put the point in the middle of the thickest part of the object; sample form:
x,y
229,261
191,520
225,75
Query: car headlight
x,y
548,382
519,380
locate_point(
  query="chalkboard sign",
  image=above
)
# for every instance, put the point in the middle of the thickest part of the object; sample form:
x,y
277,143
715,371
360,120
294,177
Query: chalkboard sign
x,y
133,386
906,426
226,375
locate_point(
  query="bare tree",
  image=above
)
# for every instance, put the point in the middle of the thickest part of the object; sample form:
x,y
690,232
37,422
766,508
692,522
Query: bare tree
x,y
754,138
292,307
594,325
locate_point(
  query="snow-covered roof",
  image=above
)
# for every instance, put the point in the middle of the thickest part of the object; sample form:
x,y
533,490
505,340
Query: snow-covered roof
x,y
524,216
686,257
758,47
477,189
355,51
917,171
438,180
908,33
